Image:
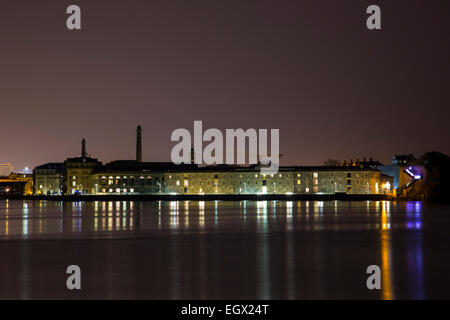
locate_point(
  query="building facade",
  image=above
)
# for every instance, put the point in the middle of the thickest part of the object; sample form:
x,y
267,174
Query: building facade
x,y
48,179
17,184
86,175
129,177
77,175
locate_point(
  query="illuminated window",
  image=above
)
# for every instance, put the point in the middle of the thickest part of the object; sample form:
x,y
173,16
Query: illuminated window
x,y
256,176
316,181
280,175
298,175
315,175
299,182
178,182
307,189
186,182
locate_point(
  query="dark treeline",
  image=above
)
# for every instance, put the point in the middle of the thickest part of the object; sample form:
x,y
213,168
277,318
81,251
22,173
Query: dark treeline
x,y
437,184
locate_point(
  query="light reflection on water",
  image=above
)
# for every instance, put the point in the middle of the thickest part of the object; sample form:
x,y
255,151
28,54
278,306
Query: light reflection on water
x,y
30,218
284,220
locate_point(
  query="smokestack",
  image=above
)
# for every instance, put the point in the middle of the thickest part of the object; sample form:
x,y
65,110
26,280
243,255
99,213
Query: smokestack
x,y
139,144
83,148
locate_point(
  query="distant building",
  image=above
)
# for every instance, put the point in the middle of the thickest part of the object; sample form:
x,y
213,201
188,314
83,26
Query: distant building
x,y
17,184
5,169
131,177
48,179
77,173
86,175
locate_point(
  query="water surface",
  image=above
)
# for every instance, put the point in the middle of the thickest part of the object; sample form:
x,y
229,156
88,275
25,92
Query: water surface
x,y
224,249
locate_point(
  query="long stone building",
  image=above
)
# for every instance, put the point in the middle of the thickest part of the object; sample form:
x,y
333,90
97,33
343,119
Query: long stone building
x,y
86,175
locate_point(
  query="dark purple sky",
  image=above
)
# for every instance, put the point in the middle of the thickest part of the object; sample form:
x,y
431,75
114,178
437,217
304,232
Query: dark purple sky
x,y
309,68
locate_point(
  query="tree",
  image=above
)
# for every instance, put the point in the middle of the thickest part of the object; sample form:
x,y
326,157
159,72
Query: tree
x,y
437,166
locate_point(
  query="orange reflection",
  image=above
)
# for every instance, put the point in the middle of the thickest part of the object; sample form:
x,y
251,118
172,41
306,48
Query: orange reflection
x,y
386,256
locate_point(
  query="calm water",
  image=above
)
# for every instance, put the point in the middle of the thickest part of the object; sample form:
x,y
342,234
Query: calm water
x,y
224,250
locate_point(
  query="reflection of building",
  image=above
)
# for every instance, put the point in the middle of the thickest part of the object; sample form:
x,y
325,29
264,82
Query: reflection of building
x,y
5,169
86,175
17,183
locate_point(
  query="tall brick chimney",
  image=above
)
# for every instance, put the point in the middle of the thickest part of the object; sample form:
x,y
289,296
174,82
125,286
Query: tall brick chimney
x,y
139,144
83,148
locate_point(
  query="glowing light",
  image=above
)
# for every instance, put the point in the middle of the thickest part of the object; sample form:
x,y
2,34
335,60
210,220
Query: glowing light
x,y
412,175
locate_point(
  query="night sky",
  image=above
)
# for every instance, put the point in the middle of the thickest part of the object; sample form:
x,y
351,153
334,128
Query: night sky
x,y
310,68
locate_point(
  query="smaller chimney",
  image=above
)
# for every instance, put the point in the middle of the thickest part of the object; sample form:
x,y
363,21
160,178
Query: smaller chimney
x,y
139,144
83,148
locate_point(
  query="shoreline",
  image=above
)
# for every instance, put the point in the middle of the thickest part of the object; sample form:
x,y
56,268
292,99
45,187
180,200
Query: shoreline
x,y
206,197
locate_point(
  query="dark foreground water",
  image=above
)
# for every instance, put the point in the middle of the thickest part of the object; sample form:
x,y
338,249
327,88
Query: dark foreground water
x,y
224,250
